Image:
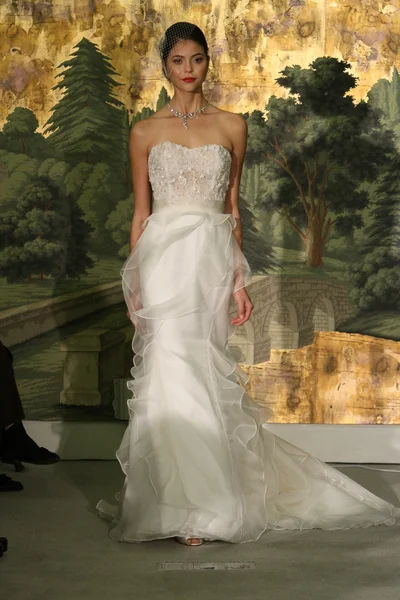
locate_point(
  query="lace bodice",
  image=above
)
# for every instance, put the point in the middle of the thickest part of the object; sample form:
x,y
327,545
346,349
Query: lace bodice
x,y
196,178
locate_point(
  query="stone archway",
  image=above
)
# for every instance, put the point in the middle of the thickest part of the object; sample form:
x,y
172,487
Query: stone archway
x,y
241,344
283,315
283,326
322,314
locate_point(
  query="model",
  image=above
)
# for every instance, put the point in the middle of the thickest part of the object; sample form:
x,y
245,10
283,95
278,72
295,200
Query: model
x,y
199,466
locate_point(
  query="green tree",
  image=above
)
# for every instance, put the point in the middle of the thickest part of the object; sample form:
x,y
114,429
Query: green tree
x,y
42,233
258,248
20,169
385,95
163,98
76,179
145,113
119,225
97,199
19,134
250,192
320,146
125,147
87,124
250,184
376,275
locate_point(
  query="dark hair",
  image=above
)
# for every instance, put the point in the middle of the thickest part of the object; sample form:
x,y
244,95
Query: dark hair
x,y
178,32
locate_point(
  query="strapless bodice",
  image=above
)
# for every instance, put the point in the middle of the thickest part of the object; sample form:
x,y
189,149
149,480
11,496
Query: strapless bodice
x,y
189,178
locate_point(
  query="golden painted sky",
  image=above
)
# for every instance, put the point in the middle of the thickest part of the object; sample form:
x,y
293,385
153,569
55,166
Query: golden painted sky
x,y
251,41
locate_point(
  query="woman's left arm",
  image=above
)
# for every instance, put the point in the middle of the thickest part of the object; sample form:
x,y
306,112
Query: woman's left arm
x,y
238,135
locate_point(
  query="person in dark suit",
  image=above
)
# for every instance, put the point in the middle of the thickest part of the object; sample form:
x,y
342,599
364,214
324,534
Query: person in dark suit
x,y
16,446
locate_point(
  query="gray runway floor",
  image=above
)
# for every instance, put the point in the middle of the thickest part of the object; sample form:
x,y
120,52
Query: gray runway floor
x,y
59,549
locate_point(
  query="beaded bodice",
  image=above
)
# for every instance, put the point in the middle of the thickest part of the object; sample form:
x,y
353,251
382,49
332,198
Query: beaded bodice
x,y
195,178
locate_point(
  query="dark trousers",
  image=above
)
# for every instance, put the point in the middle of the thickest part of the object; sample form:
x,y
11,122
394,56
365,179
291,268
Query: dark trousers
x,y
11,409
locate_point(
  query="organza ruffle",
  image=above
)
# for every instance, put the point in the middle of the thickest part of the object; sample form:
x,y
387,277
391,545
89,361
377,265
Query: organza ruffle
x,y
196,458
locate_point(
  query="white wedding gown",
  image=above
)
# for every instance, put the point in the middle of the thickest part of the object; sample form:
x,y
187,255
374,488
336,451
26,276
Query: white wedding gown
x,y
196,458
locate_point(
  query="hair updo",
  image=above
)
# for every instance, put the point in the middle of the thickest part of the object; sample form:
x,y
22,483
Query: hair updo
x,y
178,32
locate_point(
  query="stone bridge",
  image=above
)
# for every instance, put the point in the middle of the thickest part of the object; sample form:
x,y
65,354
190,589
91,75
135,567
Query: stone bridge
x,y
287,310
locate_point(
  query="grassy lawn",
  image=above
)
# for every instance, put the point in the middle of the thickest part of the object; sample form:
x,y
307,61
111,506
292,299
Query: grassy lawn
x,y
292,263
383,324
105,270
38,366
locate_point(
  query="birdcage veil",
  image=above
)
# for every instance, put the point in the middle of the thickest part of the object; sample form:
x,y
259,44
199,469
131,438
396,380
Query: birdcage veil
x,y
175,33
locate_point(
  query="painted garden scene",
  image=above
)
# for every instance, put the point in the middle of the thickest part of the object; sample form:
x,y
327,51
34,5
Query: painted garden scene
x,y
319,88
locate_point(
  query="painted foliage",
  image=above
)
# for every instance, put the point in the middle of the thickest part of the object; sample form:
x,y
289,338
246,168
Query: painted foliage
x,y
319,85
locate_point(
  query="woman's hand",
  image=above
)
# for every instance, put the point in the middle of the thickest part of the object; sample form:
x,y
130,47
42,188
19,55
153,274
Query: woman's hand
x,y
244,305
136,305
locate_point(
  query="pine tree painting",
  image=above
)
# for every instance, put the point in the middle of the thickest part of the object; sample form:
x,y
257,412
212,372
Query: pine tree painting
x,y
87,123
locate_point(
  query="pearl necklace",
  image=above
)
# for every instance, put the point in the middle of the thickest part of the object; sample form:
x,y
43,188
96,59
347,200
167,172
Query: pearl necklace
x,y
190,115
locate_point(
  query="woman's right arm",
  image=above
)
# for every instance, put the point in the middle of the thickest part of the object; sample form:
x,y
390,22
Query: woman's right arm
x,y
138,156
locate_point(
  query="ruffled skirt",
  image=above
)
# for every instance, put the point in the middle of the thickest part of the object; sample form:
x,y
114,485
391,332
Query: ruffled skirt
x,y
196,459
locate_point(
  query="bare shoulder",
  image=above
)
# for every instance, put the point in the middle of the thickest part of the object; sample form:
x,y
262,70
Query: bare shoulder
x,y
143,131
234,126
238,130
139,133
232,119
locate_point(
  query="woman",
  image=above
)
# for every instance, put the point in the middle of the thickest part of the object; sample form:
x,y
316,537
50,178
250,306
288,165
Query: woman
x,y
199,465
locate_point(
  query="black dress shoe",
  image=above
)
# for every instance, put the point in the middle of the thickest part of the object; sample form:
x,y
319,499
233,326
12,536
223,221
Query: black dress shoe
x,y
17,447
8,485
3,545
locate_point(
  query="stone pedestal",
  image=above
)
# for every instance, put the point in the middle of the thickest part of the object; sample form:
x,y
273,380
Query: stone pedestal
x,y
93,359
121,396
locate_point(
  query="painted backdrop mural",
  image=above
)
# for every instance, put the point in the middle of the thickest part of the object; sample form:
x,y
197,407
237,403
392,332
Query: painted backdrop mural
x,y
319,85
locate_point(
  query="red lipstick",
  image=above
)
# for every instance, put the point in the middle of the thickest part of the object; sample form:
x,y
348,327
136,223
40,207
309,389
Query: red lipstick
x,y
188,79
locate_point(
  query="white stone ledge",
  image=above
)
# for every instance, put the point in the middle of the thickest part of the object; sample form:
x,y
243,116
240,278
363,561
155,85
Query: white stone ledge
x,y
23,323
